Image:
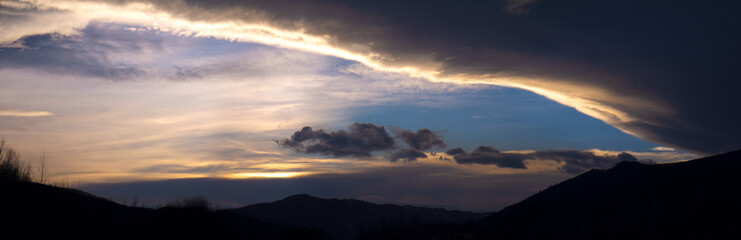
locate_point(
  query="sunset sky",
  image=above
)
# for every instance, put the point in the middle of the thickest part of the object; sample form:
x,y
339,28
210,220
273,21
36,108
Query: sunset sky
x,y
159,99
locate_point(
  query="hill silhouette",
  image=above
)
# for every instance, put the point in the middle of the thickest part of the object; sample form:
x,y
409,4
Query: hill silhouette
x,y
687,200
35,211
696,199
347,218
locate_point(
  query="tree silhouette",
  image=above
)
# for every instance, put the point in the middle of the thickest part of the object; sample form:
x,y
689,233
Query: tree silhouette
x,y
11,168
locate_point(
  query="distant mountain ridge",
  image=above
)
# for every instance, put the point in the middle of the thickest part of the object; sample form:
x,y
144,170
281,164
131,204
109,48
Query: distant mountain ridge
x,y
346,218
695,199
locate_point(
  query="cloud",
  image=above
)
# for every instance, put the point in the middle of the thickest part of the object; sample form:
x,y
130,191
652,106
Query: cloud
x,y
634,73
259,108
455,151
652,157
98,50
22,113
250,94
489,155
424,139
662,148
408,155
253,64
22,18
358,141
573,161
175,168
362,139
634,78
580,161
517,7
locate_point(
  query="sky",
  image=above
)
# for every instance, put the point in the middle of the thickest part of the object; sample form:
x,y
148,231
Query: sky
x,y
470,105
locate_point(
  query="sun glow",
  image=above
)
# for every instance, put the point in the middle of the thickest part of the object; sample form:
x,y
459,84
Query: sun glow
x,y
269,174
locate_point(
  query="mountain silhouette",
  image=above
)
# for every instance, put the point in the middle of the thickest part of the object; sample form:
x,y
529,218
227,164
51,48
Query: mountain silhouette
x,y
347,218
695,199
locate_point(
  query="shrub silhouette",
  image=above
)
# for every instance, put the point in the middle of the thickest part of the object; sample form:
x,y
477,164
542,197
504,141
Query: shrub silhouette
x,y
11,168
194,203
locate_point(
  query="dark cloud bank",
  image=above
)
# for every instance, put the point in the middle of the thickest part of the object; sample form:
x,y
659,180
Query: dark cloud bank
x,y
575,161
408,155
359,141
424,139
362,139
671,65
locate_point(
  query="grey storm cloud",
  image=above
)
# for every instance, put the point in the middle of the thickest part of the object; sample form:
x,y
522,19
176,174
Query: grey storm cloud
x,y
423,139
669,67
575,161
358,141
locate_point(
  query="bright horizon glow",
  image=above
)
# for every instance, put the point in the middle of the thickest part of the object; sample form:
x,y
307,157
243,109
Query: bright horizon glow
x,y
268,175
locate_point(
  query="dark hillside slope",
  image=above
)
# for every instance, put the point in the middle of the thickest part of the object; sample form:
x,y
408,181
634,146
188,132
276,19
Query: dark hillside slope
x,y
31,210
687,200
35,211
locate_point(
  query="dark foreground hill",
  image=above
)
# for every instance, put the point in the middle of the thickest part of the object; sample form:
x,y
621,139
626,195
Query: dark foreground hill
x,y
348,218
35,211
697,199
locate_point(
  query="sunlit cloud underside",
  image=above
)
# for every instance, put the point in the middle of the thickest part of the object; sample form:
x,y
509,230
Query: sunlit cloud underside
x,y
22,113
